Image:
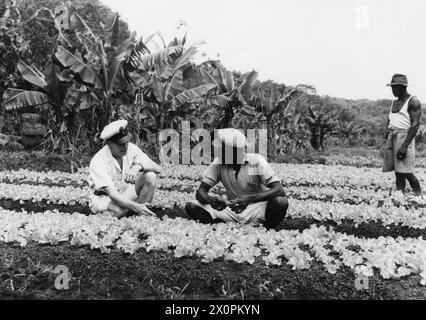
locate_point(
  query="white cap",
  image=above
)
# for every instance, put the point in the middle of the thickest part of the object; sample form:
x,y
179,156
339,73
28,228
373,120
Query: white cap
x,y
231,137
113,129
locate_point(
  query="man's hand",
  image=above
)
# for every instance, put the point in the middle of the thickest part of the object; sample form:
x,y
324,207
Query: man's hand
x,y
402,153
142,209
130,176
239,204
217,203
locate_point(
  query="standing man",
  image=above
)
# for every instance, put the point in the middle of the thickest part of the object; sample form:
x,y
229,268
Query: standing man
x,y
254,191
402,126
122,175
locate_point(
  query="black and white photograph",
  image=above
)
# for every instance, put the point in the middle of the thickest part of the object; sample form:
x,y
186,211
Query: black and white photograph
x,y
212,155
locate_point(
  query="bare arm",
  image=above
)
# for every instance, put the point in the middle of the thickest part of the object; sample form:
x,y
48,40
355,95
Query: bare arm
x,y
240,204
150,166
415,111
275,190
386,129
202,194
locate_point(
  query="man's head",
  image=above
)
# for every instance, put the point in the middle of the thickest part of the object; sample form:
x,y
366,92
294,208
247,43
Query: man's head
x,y
117,137
398,84
230,145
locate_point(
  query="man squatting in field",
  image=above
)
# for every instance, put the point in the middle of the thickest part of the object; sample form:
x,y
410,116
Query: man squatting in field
x,y
402,126
254,191
122,175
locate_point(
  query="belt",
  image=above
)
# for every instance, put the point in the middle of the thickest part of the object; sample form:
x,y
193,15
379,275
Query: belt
x,y
394,132
100,193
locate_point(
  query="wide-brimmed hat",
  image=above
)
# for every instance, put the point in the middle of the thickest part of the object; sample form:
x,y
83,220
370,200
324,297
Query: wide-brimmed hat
x,y
230,137
116,132
398,79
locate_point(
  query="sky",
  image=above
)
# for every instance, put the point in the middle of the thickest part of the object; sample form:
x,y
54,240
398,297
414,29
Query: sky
x,y
347,49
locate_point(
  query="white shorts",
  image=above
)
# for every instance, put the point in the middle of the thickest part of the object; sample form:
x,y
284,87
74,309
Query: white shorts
x,y
100,204
254,213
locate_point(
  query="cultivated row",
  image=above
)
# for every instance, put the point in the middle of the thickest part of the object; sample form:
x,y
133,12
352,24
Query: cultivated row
x,y
390,257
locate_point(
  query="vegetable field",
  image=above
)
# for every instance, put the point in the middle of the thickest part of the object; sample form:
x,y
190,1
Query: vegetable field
x,y
347,235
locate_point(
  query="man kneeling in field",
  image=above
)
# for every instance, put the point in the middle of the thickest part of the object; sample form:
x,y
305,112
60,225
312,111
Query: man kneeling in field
x,y
255,193
122,175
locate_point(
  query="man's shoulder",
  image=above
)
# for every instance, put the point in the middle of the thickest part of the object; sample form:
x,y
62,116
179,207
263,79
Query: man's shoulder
x,y
134,148
414,102
100,157
255,158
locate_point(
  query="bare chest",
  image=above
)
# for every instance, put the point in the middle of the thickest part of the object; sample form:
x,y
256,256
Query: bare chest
x,y
397,106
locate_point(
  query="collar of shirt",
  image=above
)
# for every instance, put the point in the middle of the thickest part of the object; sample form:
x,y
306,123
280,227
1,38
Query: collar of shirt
x,y
113,161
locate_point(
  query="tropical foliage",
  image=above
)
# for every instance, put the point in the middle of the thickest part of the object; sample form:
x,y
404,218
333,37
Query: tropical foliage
x,y
74,80
77,64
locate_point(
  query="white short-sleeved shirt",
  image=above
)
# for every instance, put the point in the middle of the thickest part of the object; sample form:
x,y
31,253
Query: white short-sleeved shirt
x,y
254,175
105,170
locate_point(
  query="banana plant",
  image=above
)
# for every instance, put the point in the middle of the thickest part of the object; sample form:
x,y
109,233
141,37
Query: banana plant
x,y
89,77
232,105
349,131
53,89
320,123
273,104
160,78
104,67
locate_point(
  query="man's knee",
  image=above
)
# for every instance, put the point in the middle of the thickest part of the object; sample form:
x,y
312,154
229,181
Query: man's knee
x,y
148,178
197,213
276,211
191,208
280,202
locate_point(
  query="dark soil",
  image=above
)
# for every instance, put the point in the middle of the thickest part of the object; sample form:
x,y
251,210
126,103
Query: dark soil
x,y
25,273
158,275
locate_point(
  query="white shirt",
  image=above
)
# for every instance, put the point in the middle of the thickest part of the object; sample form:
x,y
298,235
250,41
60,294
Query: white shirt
x,y
255,174
105,171
400,119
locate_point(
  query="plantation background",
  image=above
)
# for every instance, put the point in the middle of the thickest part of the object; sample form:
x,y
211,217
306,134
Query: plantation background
x,y
67,69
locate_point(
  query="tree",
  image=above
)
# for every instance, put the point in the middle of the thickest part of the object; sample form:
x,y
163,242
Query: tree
x,y
39,31
349,131
74,81
320,123
229,105
13,45
159,79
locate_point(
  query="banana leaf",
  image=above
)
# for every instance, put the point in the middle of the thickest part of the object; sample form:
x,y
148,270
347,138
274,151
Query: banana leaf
x,y
218,75
175,85
68,60
158,59
191,94
247,86
272,99
112,39
15,99
56,88
248,110
90,45
229,81
78,23
116,79
186,56
206,76
221,101
32,75
158,90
